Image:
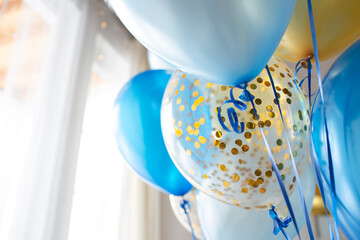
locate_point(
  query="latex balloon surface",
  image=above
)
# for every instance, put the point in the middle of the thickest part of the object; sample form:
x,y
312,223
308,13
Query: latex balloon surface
x,y
221,221
337,26
176,202
138,132
341,94
234,167
222,41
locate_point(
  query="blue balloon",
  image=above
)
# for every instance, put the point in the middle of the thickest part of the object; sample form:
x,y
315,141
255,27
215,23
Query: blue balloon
x,y
226,42
341,89
226,222
138,132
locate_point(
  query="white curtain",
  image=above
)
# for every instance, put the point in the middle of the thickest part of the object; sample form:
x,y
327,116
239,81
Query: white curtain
x,y
61,176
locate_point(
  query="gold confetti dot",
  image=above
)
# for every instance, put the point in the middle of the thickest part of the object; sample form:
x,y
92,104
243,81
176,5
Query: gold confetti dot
x,y
238,142
268,123
240,161
201,99
216,143
195,94
188,152
176,92
197,144
223,88
226,184
234,151
183,76
222,145
244,190
202,139
178,101
182,107
262,190
202,121
209,85
196,124
178,131
260,180
245,148
179,123
269,108
258,172
189,129
196,102
271,114
188,139
196,132
268,174
205,176
197,82
247,135
259,80
250,125
255,184
193,107
218,134
235,177
253,86
182,87
222,167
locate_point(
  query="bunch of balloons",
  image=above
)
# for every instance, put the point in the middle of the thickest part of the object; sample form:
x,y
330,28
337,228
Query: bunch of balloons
x,y
206,131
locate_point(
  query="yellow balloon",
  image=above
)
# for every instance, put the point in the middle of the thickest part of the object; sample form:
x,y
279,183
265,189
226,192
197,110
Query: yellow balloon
x,y
337,26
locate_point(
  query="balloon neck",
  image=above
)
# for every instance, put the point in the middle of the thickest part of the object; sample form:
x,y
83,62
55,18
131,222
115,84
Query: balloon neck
x,y
245,96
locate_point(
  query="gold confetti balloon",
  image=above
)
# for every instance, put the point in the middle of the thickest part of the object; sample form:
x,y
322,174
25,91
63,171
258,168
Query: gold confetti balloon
x,y
190,197
235,167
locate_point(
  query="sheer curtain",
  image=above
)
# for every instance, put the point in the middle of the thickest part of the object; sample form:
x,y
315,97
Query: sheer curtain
x,y
61,176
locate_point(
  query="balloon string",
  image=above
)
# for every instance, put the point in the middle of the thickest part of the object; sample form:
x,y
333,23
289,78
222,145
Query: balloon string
x,y
302,198
279,224
276,170
331,169
186,206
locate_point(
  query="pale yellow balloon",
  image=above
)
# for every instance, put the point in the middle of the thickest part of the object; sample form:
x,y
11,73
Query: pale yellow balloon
x,y
337,25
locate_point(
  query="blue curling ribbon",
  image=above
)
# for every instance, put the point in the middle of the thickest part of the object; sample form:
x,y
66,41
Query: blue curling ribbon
x,y
185,205
236,126
306,214
279,223
331,169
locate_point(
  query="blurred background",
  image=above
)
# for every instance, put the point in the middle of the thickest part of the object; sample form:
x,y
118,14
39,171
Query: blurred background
x,y
62,64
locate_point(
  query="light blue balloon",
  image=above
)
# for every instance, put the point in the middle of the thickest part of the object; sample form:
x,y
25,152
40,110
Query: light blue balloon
x,y
138,132
220,221
226,42
342,96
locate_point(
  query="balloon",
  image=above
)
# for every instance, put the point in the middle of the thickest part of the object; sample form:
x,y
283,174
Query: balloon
x,y
233,167
138,132
226,222
337,26
181,216
341,94
227,42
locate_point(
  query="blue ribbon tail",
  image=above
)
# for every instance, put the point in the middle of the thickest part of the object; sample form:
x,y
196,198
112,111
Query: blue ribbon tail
x,y
186,206
331,170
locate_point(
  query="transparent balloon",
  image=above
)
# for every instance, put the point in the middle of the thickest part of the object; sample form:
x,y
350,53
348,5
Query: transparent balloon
x,y
176,202
234,167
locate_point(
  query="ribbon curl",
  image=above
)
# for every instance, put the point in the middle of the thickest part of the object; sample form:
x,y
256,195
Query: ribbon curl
x,y
238,127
